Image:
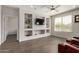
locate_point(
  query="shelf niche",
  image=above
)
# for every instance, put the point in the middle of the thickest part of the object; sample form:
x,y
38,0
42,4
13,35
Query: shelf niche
x,y
28,33
47,31
38,32
28,21
47,23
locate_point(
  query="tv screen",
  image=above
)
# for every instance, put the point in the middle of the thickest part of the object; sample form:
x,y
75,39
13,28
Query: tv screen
x,y
39,21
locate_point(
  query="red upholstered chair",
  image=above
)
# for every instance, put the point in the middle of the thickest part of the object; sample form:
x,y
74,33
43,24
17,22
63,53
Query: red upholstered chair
x,y
73,41
76,37
61,48
70,46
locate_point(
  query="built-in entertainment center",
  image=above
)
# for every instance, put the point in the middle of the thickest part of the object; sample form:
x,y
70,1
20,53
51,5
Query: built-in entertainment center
x,y
36,27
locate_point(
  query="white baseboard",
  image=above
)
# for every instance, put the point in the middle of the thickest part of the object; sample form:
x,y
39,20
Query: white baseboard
x,y
34,37
2,41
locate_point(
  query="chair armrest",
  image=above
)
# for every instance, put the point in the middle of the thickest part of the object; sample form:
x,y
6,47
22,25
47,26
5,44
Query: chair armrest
x,y
71,48
76,37
61,48
67,48
73,41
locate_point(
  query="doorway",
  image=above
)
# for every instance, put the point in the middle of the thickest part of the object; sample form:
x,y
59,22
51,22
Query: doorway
x,y
11,29
9,24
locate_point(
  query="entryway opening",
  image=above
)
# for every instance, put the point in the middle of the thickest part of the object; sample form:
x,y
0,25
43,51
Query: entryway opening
x,y
11,29
10,24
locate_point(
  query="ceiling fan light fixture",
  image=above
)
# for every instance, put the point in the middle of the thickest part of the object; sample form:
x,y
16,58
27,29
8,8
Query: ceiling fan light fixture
x,y
52,8
31,6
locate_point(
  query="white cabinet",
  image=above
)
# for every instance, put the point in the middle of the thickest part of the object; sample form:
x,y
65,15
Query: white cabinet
x,y
32,30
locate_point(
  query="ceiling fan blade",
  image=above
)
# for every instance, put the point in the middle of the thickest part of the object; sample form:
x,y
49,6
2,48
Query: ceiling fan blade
x,y
56,10
54,7
57,6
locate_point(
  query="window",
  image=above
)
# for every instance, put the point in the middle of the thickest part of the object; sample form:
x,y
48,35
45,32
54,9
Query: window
x,y
63,23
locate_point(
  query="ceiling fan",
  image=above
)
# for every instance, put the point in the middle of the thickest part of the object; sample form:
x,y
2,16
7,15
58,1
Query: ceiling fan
x,y
50,7
54,8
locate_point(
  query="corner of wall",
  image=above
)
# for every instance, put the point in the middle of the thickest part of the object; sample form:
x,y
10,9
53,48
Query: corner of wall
x,y
0,42
0,24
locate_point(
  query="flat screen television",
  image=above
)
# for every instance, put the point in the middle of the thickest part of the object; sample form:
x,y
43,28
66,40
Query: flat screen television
x,y
39,21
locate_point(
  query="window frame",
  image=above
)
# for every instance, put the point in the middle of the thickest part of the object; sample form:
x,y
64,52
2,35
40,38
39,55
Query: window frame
x,y
62,21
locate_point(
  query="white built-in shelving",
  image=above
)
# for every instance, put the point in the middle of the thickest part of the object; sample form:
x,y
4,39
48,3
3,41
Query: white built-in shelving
x,y
31,30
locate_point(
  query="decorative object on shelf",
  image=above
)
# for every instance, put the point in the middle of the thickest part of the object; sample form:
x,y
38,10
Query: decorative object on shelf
x,y
28,33
28,20
76,18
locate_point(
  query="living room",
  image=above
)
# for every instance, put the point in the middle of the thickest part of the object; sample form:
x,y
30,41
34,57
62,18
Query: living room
x,y
39,28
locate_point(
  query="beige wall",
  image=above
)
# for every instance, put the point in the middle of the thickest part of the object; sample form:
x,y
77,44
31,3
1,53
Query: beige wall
x,y
12,24
75,26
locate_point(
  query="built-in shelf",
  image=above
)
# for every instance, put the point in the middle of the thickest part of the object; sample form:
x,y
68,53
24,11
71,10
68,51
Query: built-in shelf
x,y
28,21
39,35
47,31
32,30
40,29
47,28
27,29
28,33
47,22
37,32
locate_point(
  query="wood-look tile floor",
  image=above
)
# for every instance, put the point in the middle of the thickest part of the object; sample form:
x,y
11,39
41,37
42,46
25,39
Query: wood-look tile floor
x,y
41,45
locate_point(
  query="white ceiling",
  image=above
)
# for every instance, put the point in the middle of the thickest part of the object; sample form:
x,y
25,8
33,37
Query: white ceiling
x,y
63,8
45,9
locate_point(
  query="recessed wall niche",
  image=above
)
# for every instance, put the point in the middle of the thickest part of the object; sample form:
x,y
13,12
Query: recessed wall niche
x,y
28,21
